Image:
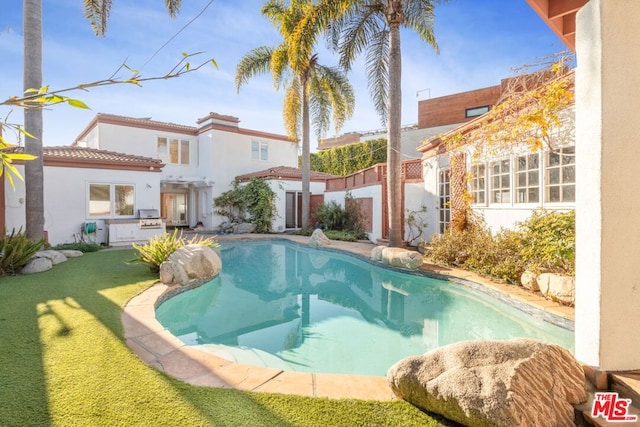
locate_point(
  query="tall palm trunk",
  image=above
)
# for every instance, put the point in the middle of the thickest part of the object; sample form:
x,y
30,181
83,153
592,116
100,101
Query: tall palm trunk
x,y
306,156
34,177
394,161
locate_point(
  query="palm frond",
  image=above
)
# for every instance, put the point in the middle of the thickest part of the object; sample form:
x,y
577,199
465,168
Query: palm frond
x,y
257,61
173,7
97,12
292,112
420,16
378,72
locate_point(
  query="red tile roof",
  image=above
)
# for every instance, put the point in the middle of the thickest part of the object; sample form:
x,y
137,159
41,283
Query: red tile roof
x,y
83,157
284,172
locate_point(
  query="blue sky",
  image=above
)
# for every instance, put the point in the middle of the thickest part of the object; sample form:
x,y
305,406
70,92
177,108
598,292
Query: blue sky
x,y
481,41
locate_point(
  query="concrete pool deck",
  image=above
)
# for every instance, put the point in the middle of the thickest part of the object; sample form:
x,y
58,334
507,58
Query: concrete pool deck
x,y
157,347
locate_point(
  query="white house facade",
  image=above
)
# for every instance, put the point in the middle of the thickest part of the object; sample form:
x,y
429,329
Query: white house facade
x,y
84,191
201,161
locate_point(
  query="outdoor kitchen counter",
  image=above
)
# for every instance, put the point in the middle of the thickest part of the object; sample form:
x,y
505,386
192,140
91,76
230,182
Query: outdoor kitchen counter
x,y
125,231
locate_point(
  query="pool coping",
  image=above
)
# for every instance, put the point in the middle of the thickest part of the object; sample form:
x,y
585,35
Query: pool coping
x,y
157,347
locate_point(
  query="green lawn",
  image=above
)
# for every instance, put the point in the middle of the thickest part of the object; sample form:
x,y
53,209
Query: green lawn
x,y
63,362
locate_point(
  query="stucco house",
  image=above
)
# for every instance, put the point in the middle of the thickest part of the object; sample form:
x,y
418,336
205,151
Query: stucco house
x,y
508,183
200,161
89,188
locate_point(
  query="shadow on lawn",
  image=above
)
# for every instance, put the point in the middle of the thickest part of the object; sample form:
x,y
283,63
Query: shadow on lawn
x,y
63,358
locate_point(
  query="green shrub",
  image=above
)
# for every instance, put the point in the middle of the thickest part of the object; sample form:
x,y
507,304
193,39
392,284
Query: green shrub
x,y
78,246
350,158
333,217
15,250
544,242
346,236
253,202
158,249
550,241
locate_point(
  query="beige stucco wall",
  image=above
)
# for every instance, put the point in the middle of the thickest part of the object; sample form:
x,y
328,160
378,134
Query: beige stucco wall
x,y
608,233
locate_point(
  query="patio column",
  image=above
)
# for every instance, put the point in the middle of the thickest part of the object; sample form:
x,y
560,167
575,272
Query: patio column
x,y
608,190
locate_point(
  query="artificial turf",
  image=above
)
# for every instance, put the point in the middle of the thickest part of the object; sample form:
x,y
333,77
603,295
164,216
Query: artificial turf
x,y
64,362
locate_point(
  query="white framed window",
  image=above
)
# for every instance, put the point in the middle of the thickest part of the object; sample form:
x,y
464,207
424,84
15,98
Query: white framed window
x,y
174,151
478,184
500,171
111,200
560,176
527,178
444,199
259,150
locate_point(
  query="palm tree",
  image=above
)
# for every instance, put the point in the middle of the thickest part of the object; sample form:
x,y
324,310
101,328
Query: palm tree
x,y
309,87
97,12
373,26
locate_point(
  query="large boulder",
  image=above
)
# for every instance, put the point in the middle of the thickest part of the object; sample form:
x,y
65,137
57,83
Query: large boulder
x,y
402,258
191,262
243,228
521,382
376,253
37,265
557,287
318,239
56,257
71,253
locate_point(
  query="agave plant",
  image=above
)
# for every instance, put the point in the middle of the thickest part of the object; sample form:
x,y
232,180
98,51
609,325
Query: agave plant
x,y
158,249
15,250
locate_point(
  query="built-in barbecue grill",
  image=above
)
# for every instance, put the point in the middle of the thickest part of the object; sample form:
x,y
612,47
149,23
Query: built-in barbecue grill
x,y
149,218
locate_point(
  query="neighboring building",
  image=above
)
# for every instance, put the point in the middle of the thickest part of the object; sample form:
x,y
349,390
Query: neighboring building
x,y
87,186
435,116
200,161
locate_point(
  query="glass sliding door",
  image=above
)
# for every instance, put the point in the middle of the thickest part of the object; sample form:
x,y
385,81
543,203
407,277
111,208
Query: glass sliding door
x,y
174,208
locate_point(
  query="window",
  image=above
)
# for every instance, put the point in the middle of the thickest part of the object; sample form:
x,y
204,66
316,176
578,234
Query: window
x,y
560,176
108,200
500,181
259,150
174,151
444,193
478,181
476,111
527,178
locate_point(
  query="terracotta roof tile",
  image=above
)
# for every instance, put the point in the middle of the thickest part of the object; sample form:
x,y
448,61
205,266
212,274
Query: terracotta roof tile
x,y
284,172
90,157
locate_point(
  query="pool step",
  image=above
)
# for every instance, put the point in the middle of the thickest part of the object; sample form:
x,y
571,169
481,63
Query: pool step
x,y
245,356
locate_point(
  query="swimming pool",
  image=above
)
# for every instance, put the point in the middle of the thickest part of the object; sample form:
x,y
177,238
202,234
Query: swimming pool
x,y
292,307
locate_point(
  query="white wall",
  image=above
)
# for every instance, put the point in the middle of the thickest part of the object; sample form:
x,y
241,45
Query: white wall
x,y
66,198
607,231
373,191
280,187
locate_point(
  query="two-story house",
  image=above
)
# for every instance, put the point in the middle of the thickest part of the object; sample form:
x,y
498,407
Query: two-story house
x,y
200,161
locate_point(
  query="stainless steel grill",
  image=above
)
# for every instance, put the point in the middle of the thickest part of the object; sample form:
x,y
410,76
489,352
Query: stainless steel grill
x,y
149,218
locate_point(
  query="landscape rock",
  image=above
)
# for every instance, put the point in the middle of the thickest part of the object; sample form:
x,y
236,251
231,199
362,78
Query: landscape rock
x,y
243,228
376,253
318,239
520,382
56,257
70,253
172,273
402,258
190,262
557,287
37,265
529,281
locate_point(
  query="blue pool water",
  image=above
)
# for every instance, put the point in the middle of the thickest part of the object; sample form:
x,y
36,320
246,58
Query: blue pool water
x,y
289,306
